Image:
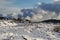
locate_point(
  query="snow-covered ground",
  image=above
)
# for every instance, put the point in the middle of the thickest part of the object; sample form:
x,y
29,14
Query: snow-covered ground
x,y
27,31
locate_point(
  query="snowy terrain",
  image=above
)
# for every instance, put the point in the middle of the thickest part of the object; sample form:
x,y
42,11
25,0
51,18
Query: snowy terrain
x,y
10,30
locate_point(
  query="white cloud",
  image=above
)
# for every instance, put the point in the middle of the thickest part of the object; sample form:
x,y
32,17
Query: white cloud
x,y
6,8
29,18
43,15
37,17
56,0
13,11
58,17
39,3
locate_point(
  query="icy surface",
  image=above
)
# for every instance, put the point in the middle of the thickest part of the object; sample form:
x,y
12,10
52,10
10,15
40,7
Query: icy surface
x,y
27,31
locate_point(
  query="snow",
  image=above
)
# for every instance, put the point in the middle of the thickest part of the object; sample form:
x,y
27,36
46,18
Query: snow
x,y
10,30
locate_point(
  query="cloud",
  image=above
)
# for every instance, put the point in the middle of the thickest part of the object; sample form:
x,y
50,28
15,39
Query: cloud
x,y
58,17
43,15
50,7
56,0
29,18
36,17
6,8
47,11
11,11
39,14
42,12
39,3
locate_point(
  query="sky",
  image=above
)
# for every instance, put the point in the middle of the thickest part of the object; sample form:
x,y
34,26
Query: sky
x,y
22,3
14,6
28,3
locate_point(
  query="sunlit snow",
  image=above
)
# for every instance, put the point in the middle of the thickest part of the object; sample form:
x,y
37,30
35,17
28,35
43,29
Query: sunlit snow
x,y
27,31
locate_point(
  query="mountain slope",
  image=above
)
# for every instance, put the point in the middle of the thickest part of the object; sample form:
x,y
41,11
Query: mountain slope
x,y
25,31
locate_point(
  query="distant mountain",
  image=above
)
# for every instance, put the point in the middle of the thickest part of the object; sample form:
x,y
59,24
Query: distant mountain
x,y
9,16
3,18
50,7
51,21
27,12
